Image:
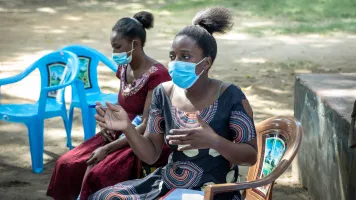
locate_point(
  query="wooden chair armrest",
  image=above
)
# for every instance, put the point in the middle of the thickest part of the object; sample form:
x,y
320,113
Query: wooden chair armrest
x,y
211,190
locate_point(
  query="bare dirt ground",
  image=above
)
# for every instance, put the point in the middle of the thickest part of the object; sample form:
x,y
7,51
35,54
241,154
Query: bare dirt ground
x,y
265,67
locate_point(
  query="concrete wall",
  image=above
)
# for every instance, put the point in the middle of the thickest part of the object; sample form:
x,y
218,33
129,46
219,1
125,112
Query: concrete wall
x,y
327,166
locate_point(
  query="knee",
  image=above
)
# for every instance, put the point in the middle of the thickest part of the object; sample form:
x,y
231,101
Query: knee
x,y
94,172
63,160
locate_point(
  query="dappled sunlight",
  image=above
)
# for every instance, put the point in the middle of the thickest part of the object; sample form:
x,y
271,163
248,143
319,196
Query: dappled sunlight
x,y
16,148
308,39
234,36
73,18
46,10
33,81
155,2
257,23
108,82
284,48
28,88
252,60
165,13
273,90
89,3
318,45
15,10
302,71
338,93
133,7
50,30
267,107
88,41
25,60
3,9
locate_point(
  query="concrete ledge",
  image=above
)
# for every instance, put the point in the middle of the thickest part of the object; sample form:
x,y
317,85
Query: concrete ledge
x,y
323,104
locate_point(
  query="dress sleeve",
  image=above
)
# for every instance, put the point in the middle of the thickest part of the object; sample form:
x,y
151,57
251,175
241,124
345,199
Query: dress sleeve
x,y
156,123
241,125
158,77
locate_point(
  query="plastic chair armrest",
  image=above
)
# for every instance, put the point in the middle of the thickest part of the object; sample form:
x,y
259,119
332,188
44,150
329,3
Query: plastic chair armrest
x,y
57,87
13,79
19,77
109,63
211,190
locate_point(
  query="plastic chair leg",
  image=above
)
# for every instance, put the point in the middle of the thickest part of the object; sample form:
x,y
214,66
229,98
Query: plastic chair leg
x,y
35,135
70,117
92,121
68,131
88,120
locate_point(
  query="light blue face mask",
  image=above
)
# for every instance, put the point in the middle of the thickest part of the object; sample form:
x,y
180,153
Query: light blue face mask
x,y
183,73
121,58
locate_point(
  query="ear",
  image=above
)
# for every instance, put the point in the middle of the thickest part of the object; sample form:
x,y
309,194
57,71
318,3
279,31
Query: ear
x,y
207,63
136,43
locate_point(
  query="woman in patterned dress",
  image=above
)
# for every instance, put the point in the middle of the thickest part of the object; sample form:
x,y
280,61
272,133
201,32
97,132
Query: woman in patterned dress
x,y
207,123
104,160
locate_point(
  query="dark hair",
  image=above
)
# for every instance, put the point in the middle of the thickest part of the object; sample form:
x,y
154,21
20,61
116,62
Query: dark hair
x,y
135,27
205,24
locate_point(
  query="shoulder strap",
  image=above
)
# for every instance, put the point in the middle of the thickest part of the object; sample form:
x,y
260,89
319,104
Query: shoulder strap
x,y
219,90
171,92
168,89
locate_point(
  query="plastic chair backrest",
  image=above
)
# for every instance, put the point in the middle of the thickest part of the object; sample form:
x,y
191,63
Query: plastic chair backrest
x,y
89,59
58,70
278,140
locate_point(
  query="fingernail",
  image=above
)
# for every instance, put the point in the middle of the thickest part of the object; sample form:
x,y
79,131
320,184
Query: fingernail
x,y
171,131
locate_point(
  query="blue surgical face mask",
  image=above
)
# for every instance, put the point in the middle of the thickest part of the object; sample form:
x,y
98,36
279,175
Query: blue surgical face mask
x,y
121,58
183,73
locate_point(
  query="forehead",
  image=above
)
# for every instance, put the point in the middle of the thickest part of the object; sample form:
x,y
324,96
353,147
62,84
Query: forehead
x,y
185,42
117,38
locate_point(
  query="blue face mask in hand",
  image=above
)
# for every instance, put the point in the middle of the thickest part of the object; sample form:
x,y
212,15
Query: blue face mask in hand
x,y
183,73
121,58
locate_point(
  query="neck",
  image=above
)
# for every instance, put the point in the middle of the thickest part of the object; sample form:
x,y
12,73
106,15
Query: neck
x,y
140,59
199,88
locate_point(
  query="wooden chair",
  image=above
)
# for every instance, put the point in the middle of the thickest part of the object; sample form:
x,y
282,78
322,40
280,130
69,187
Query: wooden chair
x,y
278,139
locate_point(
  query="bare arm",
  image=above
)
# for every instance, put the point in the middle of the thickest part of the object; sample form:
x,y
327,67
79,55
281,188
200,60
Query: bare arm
x,y
147,147
239,153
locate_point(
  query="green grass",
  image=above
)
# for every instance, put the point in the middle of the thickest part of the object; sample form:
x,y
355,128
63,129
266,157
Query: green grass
x,y
299,28
308,16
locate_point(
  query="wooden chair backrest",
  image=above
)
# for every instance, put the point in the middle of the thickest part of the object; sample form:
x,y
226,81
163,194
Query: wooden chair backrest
x,y
278,140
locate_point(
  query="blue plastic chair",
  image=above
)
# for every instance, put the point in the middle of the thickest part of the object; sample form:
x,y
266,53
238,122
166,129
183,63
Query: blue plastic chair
x,y
58,70
86,94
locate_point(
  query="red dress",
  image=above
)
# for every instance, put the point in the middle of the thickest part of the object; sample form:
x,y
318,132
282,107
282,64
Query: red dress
x,y
119,166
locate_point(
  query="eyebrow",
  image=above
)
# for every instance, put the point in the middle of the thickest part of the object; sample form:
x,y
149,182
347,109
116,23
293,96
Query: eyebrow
x,y
187,50
182,50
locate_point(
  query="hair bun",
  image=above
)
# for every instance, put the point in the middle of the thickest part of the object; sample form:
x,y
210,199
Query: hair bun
x,y
145,18
214,20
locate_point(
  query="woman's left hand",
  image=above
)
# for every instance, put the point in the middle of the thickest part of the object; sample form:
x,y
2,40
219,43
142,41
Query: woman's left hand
x,y
203,137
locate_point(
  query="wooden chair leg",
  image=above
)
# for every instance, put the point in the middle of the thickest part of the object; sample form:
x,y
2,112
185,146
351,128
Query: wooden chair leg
x,y
271,190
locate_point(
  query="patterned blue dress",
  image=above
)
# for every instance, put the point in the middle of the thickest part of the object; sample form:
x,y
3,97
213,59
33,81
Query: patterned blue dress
x,y
192,169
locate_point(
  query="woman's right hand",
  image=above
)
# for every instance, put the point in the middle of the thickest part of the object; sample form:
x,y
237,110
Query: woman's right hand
x,y
115,118
107,135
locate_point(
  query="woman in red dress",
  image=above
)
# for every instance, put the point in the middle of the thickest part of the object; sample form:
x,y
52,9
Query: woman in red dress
x,y
101,161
